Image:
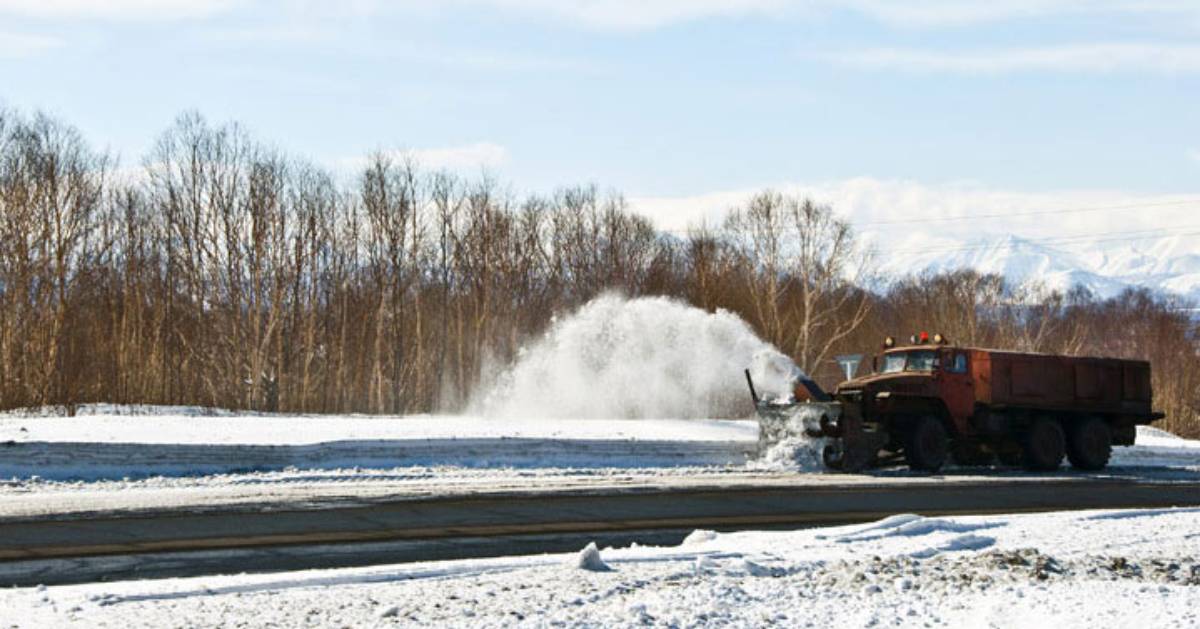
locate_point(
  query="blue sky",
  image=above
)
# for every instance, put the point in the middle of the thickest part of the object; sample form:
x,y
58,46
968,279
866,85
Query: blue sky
x,y
660,99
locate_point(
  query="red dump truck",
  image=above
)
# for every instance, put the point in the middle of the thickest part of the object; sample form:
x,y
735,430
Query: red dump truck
x,y
932,400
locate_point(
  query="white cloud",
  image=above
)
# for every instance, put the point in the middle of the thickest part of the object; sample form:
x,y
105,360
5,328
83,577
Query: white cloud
x,y
636,14
478,155
902,214
1094,58
115,9
935,13
463,158
280,33
1194,154
21,45
648,14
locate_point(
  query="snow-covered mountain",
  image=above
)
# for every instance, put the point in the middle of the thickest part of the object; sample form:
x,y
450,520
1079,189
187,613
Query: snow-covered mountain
x,y
1106,266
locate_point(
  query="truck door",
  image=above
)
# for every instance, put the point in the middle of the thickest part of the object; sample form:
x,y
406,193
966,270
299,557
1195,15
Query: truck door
x,y
958,391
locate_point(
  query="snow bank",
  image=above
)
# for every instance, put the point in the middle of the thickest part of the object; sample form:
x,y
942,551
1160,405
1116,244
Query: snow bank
x,y
649,357
906,525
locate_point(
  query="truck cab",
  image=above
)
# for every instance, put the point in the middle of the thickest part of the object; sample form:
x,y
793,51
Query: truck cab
x,y
922,378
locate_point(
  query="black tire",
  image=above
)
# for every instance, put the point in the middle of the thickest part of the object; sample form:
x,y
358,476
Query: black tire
x,y
970,453
1044,445
1089,444
831,456
926,444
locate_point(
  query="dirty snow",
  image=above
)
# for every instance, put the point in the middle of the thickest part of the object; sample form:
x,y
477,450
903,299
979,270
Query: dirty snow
x,y
1079,569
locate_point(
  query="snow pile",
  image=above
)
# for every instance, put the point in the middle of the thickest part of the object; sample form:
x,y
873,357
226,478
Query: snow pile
x,y
589,559
699,536
905,525
650,357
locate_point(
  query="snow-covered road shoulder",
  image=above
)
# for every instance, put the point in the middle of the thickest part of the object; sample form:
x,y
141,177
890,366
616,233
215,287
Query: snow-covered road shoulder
x,y
1080,569
186,443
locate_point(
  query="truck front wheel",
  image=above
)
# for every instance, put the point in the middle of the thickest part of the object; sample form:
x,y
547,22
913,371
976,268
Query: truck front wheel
x,y
1044,446
925,447
1089,444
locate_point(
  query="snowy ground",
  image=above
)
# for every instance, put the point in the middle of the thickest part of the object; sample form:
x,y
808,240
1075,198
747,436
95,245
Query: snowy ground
x,y
181,442
1079,569
194,426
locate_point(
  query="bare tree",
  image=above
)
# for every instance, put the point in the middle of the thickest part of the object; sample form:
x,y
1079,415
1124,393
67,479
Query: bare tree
x,y
804,268
228,273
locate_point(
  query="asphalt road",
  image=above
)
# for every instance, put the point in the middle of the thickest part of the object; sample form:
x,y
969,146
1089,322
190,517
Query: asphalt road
x,y
177,541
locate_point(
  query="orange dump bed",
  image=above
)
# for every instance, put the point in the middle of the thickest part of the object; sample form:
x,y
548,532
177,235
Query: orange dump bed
x,y
1101,385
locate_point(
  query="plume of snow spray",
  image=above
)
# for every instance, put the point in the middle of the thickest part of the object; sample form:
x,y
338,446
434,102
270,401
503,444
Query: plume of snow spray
x,y
650,357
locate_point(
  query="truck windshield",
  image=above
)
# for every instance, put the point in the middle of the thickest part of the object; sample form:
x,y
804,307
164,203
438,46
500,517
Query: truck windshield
x,y
908,361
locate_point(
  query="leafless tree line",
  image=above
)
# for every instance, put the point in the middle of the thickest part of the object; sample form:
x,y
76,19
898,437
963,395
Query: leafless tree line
x,y
223,272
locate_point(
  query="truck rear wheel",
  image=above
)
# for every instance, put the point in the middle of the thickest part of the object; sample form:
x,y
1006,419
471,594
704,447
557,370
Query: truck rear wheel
x,y
1044,446
1089,444
925,445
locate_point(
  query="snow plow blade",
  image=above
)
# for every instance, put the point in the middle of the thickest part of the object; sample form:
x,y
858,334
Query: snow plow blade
x,y
849,447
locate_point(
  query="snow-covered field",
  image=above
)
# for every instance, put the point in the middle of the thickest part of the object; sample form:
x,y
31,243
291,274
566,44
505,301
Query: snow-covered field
x,y
1078,569
102,444
196,426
